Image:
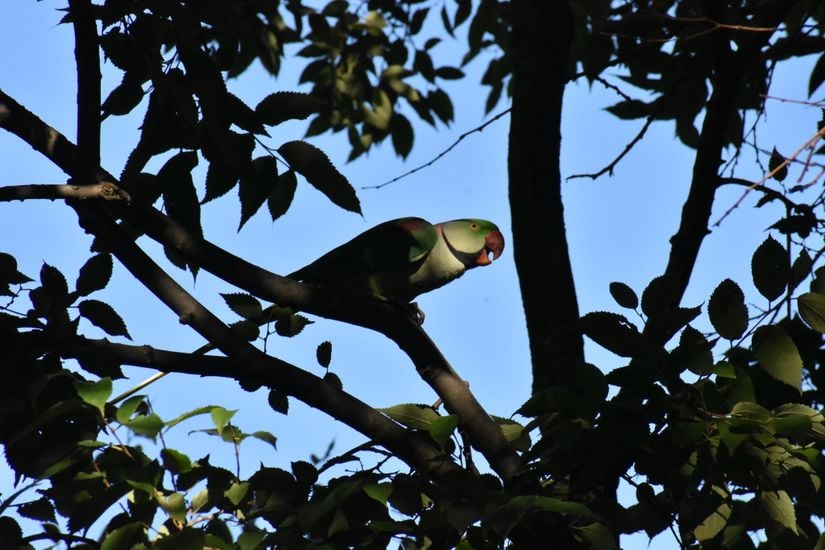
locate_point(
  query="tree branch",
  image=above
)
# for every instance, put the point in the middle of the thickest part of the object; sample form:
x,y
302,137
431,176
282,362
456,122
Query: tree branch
x,y
105,190
384,318
87,59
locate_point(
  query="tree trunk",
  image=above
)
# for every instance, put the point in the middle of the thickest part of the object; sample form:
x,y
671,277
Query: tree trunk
x,y
542,32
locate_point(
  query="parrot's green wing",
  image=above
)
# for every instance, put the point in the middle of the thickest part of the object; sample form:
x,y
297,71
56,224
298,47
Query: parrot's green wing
x,y
379,261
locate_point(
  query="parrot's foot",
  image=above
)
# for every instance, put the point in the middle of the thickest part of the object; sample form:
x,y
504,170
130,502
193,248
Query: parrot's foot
x,y
410,308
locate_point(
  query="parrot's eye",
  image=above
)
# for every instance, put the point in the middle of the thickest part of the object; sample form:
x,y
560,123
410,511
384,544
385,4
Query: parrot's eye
x,y
474,226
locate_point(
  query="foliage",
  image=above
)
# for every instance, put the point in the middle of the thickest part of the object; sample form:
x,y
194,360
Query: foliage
x,y
715,419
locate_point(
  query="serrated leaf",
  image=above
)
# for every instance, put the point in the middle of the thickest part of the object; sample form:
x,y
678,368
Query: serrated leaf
x,y
418,417
148,425
614,333
775,161
324,353
180,199
661,293
727,310
624,295
291,326
237,492
817,75
693,353
129,407
95,393
243,116
94,275
175,461
245,305
281,197
812,310
279,401
103,316
315,166
280,106
714,523
40,509
220,178
778,355
54,284
123,537
256,186
779,507
174,505
770,268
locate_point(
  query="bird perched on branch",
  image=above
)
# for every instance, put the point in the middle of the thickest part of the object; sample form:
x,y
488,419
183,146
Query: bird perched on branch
x,y
400,259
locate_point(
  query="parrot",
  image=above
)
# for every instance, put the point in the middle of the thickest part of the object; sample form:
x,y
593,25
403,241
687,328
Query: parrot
x,y
399,259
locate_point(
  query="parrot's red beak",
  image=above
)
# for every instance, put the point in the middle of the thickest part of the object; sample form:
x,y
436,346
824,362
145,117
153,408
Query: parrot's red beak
x,y
493,244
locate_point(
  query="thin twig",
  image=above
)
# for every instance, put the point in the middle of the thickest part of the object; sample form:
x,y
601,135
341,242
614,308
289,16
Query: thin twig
x,y
609,168
809,143
440,155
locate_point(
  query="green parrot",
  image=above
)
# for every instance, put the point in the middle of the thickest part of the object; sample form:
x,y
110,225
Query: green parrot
x,y
400,259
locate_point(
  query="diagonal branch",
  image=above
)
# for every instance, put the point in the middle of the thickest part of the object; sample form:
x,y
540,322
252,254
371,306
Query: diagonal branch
x,y
384,318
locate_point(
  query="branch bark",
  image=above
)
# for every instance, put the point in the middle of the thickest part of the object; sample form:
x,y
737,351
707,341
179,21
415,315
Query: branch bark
x,y
542,33
485,435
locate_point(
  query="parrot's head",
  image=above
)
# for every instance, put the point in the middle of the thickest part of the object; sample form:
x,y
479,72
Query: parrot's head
x,y
473,241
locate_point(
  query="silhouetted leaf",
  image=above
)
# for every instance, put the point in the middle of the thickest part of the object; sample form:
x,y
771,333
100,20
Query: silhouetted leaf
x,y
624,295
817,75
124,98
281,197
615,333
54,285
256,186
315,166
770,268
323,353
280,106
179,196
662,293
402,135
94,275
103,316
278,401
245,305
243,116
727,311
291,325
775,161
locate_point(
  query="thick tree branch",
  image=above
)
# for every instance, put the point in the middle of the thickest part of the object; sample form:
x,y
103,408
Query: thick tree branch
x,y
87,60
730,68
105,190
485,435
542,33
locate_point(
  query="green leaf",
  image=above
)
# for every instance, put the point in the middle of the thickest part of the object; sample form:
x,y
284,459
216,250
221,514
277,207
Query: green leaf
x,y
324,354
770,269
189,414
174,505
221,417
103,316
148,425
624,295
714,523
250,540
256,186
266,437
778,355
812,310
188,538
442,428
379,491
779,507
315,166
124,536
418,417
278,401
237,492
281,196
775,161
281,106
129,407
245,305
94,275
175,461
95,393
727,310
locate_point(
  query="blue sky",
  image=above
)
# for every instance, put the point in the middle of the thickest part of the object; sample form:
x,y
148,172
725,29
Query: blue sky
x,y
618,231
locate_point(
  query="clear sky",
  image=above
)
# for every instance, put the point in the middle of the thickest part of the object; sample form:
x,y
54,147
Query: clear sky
x,y
618,231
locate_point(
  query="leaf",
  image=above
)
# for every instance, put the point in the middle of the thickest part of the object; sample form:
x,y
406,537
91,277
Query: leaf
x,y
693,353
779,507
148,425
661,294
714,523
123,537
125,97
256,186
402,135
95,393
281,196
778,355
812,310
315,166
245,305
442,428
417,417
221,417
40,509
817,75
243,116
624,295
279,401
175,461
770,269
291,325
174,505
379,491
775,162
615,333
324,353
103,316
727,311
237,492
94,275
280,106
179,196
266,437
54,285
629,109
